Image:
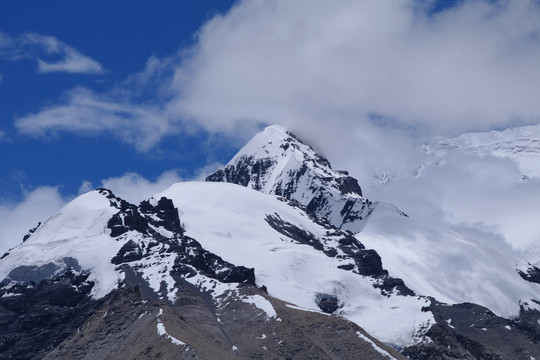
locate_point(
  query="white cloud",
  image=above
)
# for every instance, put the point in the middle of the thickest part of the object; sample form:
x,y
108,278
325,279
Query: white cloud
x,y
73,62
64,58
358,69
135,188
88,113
471,67
17,218
368,81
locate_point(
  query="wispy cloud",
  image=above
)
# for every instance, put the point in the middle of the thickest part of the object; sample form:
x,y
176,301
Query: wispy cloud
x,y
87,113
51,54
135,188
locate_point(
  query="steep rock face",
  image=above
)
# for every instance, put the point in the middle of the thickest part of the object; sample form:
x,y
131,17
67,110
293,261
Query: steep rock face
x,y
276,162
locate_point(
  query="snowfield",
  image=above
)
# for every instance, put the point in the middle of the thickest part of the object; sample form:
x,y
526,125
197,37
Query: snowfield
x,y
442,263
229,220
78,231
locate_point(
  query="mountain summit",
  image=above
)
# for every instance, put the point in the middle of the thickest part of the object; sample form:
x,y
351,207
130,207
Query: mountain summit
x,y
277,162
276,255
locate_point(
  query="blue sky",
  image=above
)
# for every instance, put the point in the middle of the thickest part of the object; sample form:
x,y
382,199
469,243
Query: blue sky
x,y
135,96
119,35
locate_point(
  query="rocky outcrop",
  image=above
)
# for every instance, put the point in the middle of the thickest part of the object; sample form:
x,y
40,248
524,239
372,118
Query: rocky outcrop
x,y
470,331
37,315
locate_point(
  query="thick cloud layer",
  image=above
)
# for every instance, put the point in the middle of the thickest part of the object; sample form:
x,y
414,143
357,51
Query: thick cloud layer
x,y
349,64
370,81
470,67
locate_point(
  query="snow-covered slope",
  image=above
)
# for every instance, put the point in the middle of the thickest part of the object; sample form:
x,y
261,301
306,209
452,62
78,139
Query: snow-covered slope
x,y
521,144
76,237
276,224
276,162
429,257
232,221
447,265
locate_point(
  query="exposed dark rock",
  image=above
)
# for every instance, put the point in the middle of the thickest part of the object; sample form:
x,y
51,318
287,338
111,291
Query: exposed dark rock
x,y
528,322
356,209
166,212
294,232
390,284
348,185
532,274
35,318
327,303
242,172
191,257
31,231
140,219
131,251
470,331
367,261
327,191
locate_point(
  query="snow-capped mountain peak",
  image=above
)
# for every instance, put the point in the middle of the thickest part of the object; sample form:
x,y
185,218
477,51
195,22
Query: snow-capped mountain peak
x,y
277,162
221,271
